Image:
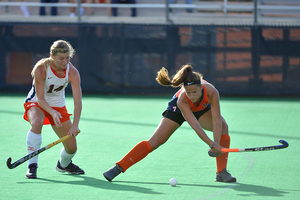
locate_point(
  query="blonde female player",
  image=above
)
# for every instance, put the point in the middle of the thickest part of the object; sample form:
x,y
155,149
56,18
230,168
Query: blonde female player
x,y
196,102
45,104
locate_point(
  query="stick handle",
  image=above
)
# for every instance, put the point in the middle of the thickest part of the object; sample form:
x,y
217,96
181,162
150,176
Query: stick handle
x,y
57,141
231,150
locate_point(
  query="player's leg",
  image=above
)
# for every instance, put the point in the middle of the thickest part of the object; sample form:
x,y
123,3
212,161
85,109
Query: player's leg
x,y
36,118
68,151
222,174
162,133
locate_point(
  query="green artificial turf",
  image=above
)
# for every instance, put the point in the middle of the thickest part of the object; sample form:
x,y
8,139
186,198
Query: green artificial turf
x,y
112,125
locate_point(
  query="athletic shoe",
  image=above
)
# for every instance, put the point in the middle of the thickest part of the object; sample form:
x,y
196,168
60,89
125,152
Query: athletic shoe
x,y
71,168
31,173
226,177
112,172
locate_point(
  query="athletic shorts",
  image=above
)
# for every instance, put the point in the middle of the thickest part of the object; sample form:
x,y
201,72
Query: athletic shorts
x,y
48,118
179,119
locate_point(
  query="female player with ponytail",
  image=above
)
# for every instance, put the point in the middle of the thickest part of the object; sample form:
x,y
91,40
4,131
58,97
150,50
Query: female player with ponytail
x,y
196,102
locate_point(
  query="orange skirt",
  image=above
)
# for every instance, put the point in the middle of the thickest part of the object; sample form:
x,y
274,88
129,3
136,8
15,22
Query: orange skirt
x,y
48,118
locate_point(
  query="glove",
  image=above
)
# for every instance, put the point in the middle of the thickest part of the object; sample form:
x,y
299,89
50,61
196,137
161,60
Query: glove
x,y
213,154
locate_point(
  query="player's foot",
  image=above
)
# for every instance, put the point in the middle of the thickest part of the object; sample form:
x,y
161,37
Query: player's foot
x,y
71,168
31,173
112,172
226,177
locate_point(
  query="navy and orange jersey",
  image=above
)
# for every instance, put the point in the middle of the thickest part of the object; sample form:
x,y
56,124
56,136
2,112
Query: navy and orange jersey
x,y
172,106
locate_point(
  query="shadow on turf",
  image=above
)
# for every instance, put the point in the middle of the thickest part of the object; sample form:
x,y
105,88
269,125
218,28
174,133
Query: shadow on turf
x,y
101,184
117,122
257,190
154,125
245,189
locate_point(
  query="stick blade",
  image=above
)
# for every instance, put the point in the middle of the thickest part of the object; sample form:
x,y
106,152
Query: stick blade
x,y
284,144
8,163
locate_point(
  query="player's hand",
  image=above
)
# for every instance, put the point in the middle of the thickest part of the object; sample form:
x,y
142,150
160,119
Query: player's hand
x,y
215,151
56,117
74,131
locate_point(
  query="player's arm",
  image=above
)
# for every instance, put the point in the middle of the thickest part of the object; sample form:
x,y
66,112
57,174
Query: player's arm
x,y
74,79
214,99
184,107
39,81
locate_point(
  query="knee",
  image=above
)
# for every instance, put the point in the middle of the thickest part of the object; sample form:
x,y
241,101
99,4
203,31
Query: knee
x,y
71,150
155,143
224,128
36,124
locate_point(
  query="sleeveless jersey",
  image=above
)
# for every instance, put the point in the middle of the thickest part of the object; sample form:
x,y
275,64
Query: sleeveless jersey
x,y
54,89
172,106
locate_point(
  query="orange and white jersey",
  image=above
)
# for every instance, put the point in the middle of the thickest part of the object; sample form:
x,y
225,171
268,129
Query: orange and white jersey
x,y
54,88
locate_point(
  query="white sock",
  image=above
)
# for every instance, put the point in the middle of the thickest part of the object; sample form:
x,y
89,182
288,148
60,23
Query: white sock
x,y
65,158
34,142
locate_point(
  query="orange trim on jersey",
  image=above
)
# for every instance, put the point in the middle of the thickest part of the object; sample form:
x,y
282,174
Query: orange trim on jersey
x,y
203,104
178,92
54,72
48,118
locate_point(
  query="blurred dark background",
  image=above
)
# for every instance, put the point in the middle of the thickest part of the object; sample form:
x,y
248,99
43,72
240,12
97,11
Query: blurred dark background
x,y
124,58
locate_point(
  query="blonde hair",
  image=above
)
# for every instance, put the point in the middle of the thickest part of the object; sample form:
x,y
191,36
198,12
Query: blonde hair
x,y
59,46
185,74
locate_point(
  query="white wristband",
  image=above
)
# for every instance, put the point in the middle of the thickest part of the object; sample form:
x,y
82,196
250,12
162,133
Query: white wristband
x,y
53,112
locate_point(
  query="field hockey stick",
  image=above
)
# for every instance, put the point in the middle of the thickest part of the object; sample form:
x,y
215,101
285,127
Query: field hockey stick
x,y
284,145
267,148
35,153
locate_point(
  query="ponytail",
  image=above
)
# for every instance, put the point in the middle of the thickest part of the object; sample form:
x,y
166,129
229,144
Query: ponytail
x,y
184,75
43,62
163,77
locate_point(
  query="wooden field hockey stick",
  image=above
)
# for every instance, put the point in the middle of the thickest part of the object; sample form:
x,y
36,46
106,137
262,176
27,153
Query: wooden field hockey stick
x,y
267,148
35,153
